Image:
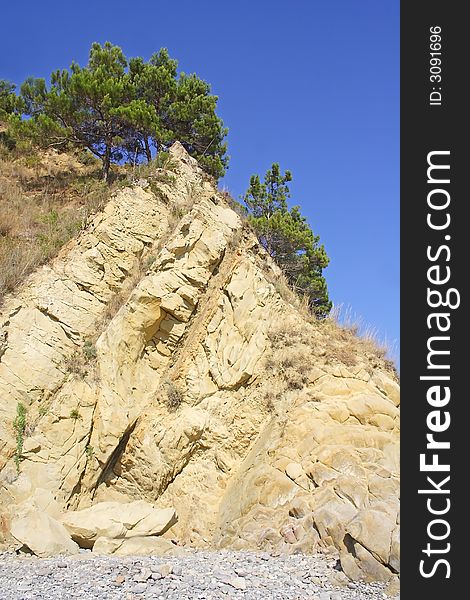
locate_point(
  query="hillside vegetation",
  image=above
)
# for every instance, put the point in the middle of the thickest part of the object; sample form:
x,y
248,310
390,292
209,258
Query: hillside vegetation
x,y
117,109
112,116
46,199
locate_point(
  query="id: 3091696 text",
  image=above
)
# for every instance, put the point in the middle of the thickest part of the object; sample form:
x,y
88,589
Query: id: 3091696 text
x,y
435,65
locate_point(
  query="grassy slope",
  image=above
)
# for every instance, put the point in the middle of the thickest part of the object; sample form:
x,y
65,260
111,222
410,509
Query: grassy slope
x,y
45,200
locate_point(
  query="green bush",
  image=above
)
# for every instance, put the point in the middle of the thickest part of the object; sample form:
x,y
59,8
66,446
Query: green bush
x,y
19,425
89,351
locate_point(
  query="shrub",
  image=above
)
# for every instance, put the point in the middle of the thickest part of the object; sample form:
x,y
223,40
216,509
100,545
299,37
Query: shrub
x,y
43,410
150,261
19,425
174,395
163,161
74,414
75,364
79,362
89,351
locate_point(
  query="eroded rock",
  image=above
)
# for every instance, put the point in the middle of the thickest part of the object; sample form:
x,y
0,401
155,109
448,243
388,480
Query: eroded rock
x,y
116,521
205,390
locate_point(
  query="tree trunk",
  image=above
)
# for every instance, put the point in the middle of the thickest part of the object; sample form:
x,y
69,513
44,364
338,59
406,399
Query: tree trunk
x,y
148,153
106,162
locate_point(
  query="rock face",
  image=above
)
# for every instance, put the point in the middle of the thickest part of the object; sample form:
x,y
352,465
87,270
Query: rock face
x,y
161,358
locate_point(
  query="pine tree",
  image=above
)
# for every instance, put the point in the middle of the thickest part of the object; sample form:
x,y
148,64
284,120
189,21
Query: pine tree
x,y
8,99
193,121
155,84
89,107
11,108
120,110
287,237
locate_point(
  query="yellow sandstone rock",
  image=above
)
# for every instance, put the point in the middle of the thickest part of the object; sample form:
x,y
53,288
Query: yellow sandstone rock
x,y
114,520
195,383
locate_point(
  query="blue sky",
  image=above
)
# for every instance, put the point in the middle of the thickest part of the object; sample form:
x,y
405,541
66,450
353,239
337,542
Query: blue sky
x,y
311,84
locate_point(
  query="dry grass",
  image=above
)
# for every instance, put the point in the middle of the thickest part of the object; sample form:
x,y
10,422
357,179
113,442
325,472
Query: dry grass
x,y
47,198
298,345
41,208
341,338
351,338
81,361
288,294
172,395
32,229
288,364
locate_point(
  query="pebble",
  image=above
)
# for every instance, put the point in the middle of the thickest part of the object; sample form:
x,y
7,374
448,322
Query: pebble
x,y
177,570
165,570
236,582
143,575
192,575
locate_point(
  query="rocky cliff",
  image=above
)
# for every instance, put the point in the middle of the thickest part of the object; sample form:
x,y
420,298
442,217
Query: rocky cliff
x,y
160,357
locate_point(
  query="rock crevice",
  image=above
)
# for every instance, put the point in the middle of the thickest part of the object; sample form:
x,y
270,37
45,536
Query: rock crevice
x,y
203,391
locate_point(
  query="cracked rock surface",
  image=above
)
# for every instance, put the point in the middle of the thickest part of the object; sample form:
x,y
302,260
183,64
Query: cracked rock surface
x,y
160,359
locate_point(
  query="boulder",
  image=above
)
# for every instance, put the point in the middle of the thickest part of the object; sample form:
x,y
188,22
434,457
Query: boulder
x,y
42,534
113,520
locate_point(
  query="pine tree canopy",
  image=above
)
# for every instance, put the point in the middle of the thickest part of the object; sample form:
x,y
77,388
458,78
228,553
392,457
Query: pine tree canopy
x,y
9,101
287,237
121,109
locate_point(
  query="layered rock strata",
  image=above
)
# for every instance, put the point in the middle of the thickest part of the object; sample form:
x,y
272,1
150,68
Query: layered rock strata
x,y
160,359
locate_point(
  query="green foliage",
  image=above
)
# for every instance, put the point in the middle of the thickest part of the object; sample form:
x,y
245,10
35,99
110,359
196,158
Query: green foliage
x,y
164,161
150,261
119,110
194,123
89,351
287,237
10,105
56,230
19,425
9,102
43,410
74,414
89,452
83,107
155,84
51,218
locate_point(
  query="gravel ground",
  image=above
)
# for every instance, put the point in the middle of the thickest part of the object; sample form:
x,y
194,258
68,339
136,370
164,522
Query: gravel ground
x,y
193,575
